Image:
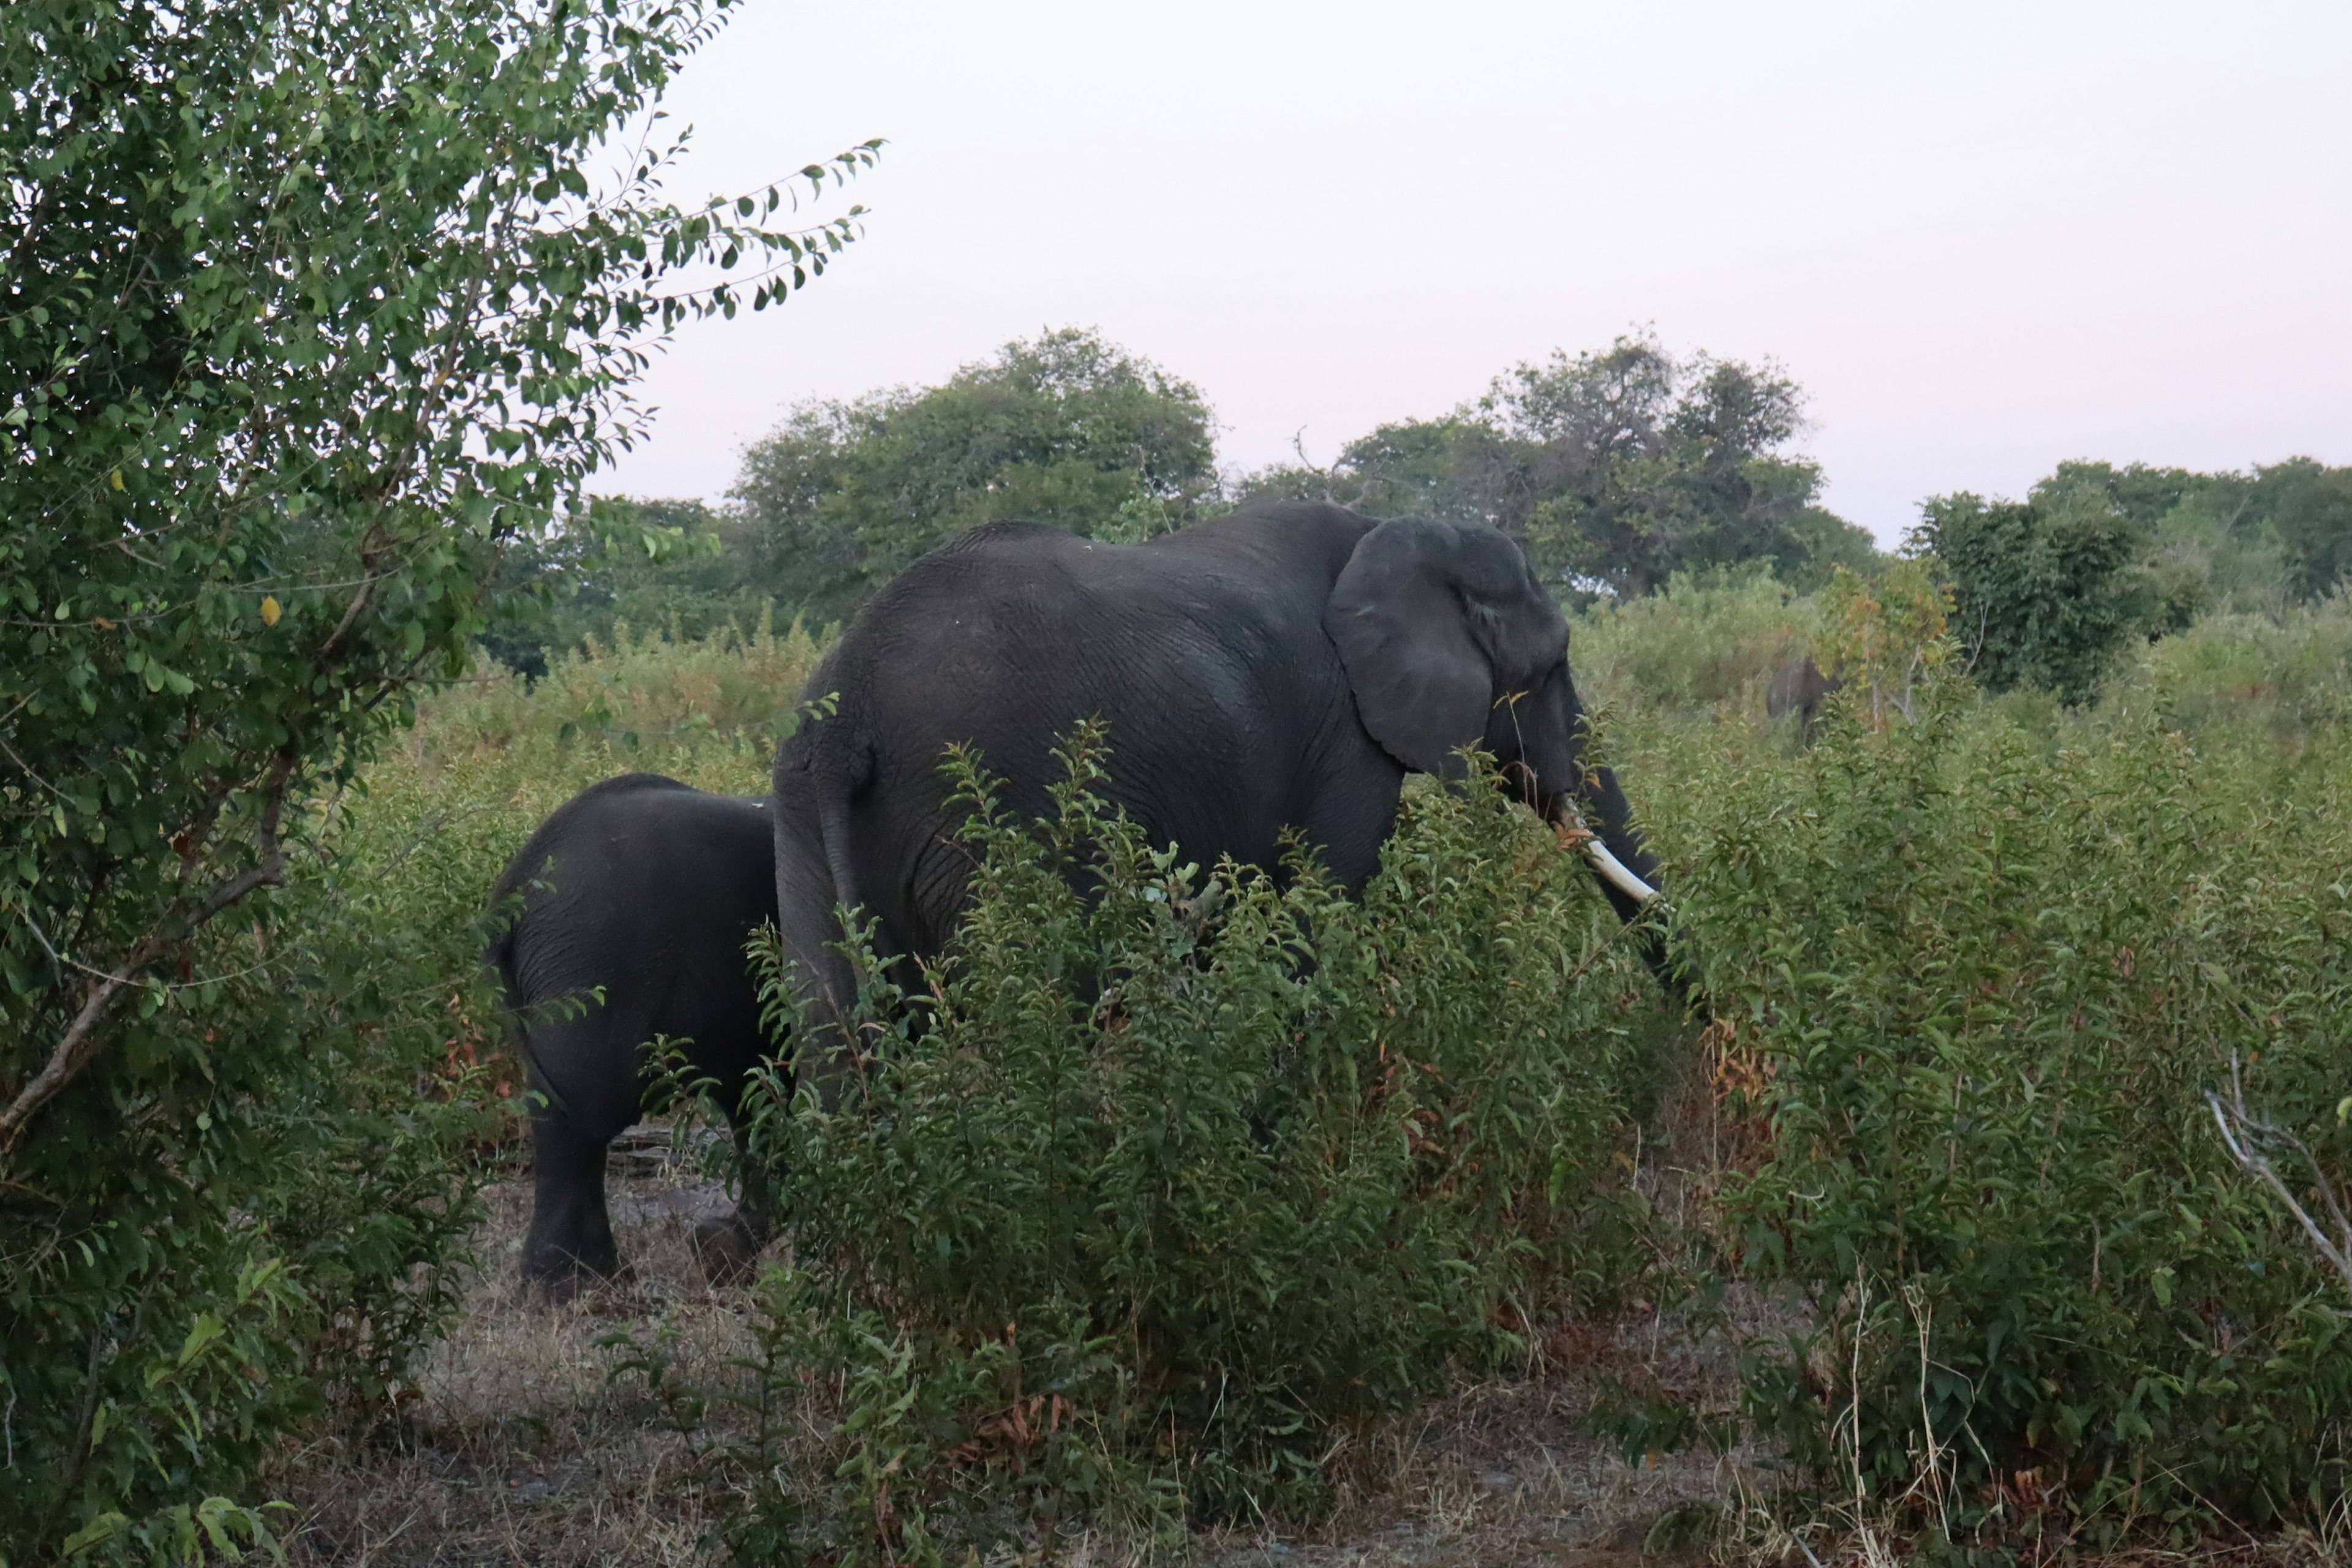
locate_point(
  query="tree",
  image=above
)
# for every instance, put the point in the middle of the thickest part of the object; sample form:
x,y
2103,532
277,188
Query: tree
x,y
2045,591
1460,468
2308,507
644,565
1616,470
309,311
1065,428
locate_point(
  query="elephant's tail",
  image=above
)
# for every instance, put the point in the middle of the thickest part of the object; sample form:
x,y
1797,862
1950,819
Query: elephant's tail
x,y
833,829
818,774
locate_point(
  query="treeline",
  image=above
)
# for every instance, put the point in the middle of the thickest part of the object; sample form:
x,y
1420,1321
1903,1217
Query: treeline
x,y
2048,590
1616,470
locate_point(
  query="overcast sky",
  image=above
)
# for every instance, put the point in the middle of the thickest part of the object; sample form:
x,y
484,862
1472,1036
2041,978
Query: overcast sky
x,y
1983,236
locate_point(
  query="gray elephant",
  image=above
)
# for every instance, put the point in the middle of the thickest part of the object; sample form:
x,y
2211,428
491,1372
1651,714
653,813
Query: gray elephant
x,y
1798,686
1282,666
645,889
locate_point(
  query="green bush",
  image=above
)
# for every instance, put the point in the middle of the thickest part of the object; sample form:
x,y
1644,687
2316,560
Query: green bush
x,y
312,312
1987,981
1704,640
2277,679
1155,1198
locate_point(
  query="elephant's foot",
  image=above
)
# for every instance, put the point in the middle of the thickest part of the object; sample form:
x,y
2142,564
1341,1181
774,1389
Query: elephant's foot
x,y
566,1281
727,1249
557,1274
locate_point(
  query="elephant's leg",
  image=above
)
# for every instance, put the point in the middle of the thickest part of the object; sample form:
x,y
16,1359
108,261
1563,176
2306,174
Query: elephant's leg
x,y
570,1239
728,1246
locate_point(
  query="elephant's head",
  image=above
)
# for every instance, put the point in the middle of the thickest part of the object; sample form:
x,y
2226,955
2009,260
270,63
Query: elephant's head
x,y
1449,641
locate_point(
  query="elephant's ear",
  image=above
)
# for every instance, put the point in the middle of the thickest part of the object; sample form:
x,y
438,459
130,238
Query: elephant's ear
x,y
1398,616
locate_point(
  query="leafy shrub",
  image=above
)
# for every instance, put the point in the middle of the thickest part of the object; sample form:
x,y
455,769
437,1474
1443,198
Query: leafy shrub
x,y
311,310
1703,640
2046,592
2277,678
1986,984
1157,1195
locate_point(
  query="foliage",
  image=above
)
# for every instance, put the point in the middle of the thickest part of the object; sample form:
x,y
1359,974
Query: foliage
x,y
1167,1190
2046,592
2285,676
1883,638
1983,982
1615,469
1703,640
1066,429
309,308
2308,507
655,566
2053,589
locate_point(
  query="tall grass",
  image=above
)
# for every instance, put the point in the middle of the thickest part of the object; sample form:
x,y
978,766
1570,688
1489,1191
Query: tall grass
x,y
1160,1193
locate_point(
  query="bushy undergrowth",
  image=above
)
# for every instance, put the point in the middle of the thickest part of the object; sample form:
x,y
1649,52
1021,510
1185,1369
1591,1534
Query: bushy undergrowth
x,y
1154,1198
364,1054
645,701
1981,981
255,1302
2284,675
1703,642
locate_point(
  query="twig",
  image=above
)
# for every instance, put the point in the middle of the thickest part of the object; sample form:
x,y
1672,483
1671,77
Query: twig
x,y
2245,1135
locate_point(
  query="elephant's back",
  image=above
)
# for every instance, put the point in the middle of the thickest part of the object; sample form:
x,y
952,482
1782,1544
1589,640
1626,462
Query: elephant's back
x,y
1201,654
637,883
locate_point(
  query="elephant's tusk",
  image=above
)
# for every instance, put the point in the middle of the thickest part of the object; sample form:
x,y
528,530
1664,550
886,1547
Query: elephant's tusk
x,y
1570,824
1623,880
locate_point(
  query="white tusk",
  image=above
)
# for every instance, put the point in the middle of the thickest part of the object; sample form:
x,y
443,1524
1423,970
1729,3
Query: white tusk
x,y
1613,868
1608,865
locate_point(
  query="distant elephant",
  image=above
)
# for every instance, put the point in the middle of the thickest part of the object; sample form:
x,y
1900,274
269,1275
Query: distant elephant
x,y
1798,686
647,888
1282,666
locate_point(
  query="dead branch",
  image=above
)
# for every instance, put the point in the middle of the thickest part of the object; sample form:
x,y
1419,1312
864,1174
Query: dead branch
x,y
2252,1141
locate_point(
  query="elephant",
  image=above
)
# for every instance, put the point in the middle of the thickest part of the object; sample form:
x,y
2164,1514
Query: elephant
x,y
1282,667
1798,686
646,889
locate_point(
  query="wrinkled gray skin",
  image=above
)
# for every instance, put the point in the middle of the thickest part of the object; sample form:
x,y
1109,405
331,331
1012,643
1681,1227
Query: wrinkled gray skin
x,y
1285,665
649,889
1798,686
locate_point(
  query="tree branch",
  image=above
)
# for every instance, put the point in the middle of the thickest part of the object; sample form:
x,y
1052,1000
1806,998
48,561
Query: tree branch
x,y
2245,1135
79,1045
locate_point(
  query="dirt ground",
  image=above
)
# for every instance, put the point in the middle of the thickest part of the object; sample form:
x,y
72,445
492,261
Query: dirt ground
x,y
519,1446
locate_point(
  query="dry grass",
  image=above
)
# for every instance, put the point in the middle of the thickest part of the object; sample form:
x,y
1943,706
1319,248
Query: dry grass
x,y
519,1446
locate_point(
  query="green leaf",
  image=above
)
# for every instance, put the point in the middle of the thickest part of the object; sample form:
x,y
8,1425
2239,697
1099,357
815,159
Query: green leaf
x,y
97,1533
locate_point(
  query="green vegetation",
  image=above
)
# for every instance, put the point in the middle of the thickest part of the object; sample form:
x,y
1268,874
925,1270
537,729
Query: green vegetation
x,y
1982,974
1203,1173
2050,590
1164,1201
1616,470
1066,429
309,308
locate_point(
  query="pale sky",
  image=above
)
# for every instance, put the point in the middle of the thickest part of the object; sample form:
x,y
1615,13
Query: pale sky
x,y
1985,238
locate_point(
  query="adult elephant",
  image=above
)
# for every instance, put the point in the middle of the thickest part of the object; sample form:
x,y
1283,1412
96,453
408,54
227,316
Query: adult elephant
x,y
623,918
1282,666
1799,686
